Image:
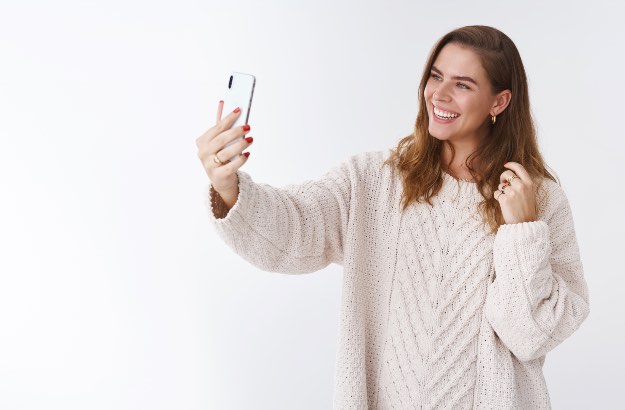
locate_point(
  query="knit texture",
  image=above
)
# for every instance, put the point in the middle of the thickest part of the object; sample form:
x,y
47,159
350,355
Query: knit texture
x,y
437,313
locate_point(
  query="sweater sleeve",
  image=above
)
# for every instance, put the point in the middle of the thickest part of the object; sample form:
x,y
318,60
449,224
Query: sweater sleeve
x,y
539,296
299,228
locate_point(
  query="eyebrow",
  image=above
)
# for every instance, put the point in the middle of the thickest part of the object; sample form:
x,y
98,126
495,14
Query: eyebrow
x,y
462,78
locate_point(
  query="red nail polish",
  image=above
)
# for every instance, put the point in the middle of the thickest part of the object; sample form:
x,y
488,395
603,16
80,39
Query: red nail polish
x,y
237,109
247,154
246,127
249,140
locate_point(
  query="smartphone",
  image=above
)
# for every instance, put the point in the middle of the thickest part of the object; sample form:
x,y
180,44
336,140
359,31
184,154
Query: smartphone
x,y
239,94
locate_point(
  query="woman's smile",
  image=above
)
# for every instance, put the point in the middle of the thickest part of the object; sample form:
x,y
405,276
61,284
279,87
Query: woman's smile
x,y
443,116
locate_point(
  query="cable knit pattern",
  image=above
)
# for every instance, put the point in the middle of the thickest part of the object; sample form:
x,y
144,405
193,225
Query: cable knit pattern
x,y
437,313
436,303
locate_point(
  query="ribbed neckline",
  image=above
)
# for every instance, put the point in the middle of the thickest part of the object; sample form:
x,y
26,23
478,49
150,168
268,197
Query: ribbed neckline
x,y
460,180
457,188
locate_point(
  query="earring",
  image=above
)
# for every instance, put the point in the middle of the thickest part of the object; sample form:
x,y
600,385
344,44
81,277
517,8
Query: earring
x,y
493,119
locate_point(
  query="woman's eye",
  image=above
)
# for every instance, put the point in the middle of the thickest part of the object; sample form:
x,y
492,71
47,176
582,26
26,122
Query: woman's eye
x,y
461,85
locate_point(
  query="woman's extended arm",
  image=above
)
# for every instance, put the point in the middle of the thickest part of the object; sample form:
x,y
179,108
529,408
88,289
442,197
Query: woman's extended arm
x,y
295,229
539,296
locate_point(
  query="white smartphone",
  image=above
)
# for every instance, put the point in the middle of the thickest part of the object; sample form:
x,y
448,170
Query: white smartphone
x,y
239,94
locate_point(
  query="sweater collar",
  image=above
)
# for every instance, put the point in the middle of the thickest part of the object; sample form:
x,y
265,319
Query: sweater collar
x,y
458,189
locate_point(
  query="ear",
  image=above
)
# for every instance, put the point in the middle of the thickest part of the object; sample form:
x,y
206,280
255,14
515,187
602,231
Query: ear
x,y
502,100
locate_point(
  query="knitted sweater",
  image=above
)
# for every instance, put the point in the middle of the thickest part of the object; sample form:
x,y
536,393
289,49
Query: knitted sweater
x,y
437,313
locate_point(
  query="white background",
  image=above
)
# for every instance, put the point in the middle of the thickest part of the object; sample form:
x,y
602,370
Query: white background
x,y
115,292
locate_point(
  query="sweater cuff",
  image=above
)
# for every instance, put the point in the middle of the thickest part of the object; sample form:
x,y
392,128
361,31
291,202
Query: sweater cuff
x,y
521,247
234,221
523,230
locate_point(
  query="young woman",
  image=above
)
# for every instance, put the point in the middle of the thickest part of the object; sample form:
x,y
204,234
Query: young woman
x,y
461,264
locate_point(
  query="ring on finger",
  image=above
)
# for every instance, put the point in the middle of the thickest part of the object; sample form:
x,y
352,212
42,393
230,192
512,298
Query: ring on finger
x,y
511,178
216,159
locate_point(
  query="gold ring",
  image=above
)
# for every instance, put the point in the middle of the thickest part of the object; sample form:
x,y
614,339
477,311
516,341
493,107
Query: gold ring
x,y
216,159
511,178
497,198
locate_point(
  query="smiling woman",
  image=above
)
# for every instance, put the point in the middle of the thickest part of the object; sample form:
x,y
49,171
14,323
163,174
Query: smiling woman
x,y
474,118
464,100
442,308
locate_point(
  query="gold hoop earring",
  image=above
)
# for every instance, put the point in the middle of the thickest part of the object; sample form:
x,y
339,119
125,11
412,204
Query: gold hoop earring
x,y
493,119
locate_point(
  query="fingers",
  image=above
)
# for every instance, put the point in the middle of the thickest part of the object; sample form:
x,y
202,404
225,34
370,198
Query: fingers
x,y
218,145
220,109
501,187
226,143
230,151
221,140
518,170
222,124
505,175
232,166
226,167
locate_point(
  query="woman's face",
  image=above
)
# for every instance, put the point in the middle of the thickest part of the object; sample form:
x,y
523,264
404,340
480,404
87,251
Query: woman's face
x,y
458,87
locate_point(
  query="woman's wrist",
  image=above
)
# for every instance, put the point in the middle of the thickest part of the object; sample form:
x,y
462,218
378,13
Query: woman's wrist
x,y
229,198
223,201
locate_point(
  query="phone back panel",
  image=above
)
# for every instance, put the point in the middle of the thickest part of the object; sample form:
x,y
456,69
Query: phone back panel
x,y
239,93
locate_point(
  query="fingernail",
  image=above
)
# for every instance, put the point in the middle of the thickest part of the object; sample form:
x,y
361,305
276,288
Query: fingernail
x,y
246,127
221,101
247,154
237,109
249,140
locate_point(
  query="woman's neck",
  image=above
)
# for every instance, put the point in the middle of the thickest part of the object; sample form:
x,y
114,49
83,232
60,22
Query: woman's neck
x,y
457,168
464,175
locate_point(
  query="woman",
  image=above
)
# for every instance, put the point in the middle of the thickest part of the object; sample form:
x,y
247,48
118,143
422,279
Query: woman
x,y
461,265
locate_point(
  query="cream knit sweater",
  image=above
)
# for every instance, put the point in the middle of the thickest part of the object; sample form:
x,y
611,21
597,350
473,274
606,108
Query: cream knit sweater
x,y
436,312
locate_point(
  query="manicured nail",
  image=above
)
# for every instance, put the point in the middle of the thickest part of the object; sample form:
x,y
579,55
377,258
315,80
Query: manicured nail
x,y
246,127
249,140
237,109
247,154
221,101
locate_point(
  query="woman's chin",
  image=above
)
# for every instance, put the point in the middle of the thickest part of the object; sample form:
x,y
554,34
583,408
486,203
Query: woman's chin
x,y
442,136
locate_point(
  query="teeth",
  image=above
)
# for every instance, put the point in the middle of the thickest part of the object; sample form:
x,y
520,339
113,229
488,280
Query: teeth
x,y
444,114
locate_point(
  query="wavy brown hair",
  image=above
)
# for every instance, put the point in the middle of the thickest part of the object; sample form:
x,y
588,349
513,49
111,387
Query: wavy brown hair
x,y
418,156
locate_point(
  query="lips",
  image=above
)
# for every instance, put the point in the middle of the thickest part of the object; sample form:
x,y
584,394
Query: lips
x,y
444,110
443,120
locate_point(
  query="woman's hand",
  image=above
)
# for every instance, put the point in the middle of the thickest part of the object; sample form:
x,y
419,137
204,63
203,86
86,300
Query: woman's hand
x,y
518,200
210,144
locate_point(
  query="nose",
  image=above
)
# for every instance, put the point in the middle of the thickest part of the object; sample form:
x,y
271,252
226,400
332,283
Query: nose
x,y
441,93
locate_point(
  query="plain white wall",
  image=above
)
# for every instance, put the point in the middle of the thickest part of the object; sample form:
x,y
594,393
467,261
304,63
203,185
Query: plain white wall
x,y
115,293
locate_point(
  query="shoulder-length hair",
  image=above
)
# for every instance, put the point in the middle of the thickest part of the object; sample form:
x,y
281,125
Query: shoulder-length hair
x,y
417,156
